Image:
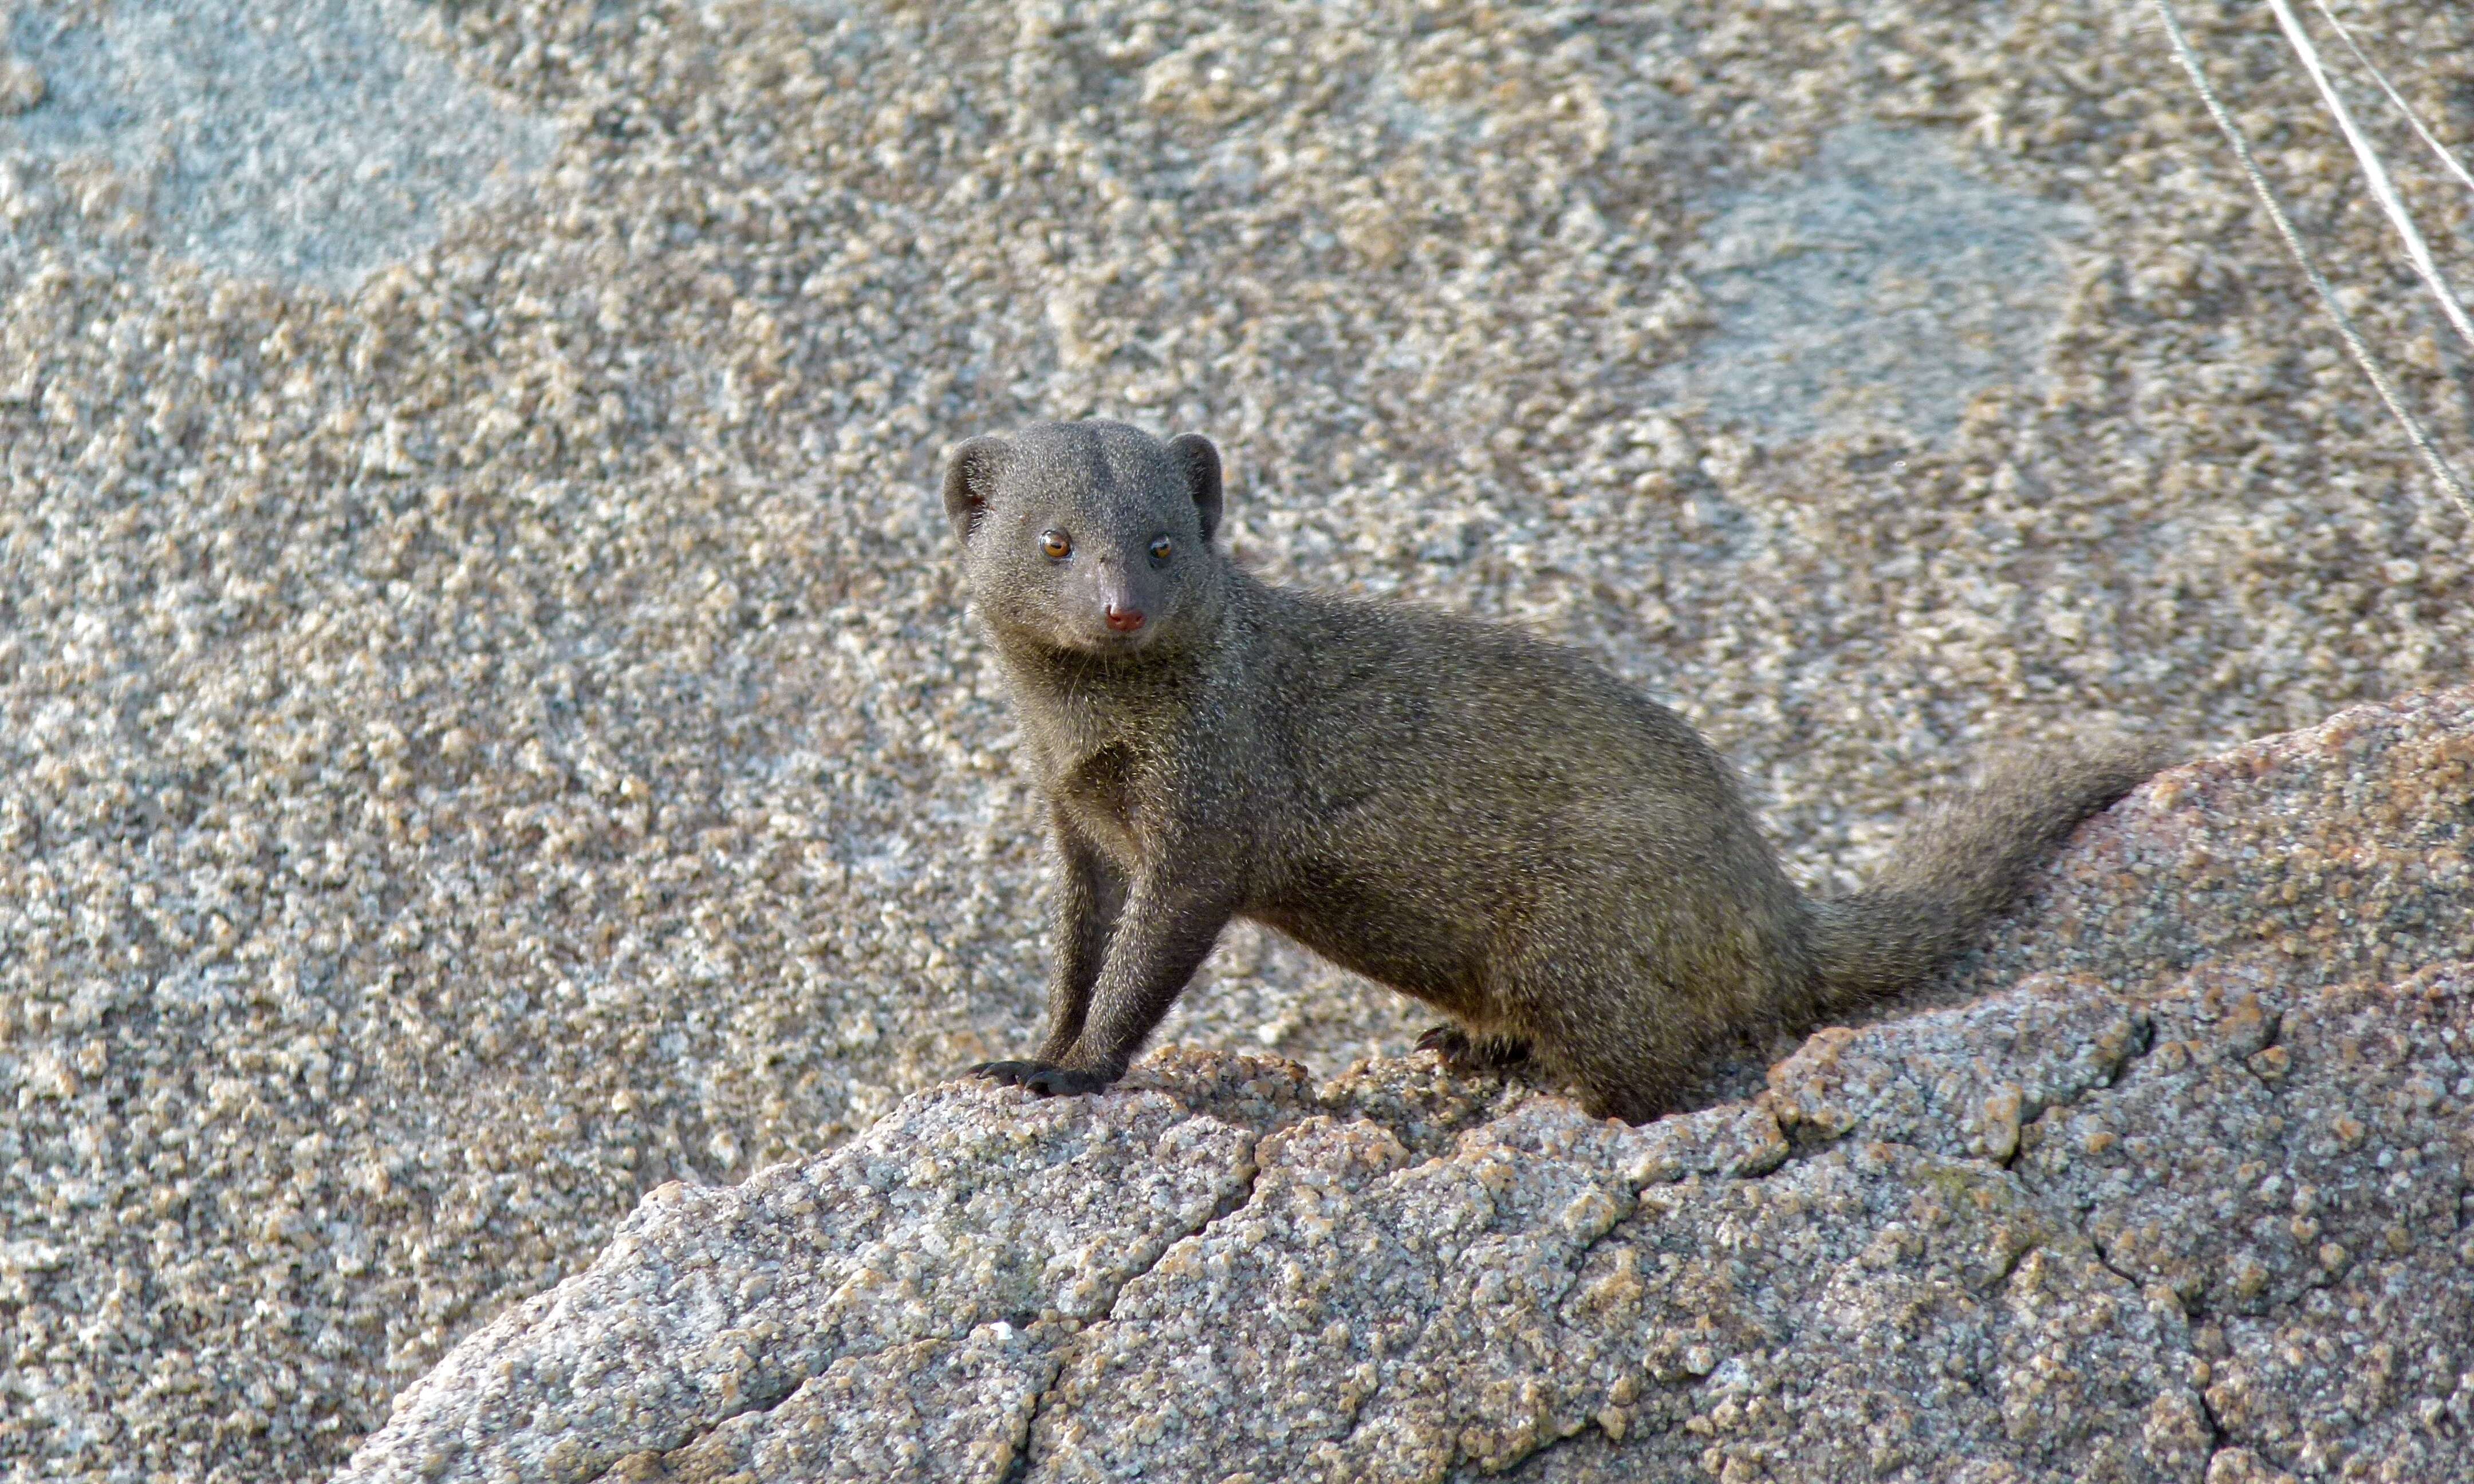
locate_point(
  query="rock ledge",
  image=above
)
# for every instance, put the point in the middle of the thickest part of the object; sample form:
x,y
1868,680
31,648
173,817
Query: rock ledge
x,y
2188,1203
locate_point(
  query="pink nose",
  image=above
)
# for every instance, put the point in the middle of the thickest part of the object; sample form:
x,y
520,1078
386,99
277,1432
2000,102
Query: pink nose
x,y
1124,620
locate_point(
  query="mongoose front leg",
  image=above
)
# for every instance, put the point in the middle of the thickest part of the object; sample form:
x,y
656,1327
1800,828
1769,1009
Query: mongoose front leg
x,y
1163,934
1090,896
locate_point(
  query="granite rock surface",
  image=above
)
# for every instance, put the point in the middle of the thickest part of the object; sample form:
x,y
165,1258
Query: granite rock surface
x,y
487,722
2191,1209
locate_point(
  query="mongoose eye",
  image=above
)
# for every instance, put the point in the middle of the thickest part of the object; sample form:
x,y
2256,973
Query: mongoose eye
x,y
1058,544
1161,550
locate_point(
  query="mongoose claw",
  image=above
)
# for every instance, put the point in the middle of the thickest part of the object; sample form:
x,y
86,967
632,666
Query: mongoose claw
x,y
1046,1079
1462,1052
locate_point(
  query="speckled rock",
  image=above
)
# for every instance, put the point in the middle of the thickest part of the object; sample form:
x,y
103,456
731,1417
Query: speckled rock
x,y
943,1231
2193,1217
2331,853
487,722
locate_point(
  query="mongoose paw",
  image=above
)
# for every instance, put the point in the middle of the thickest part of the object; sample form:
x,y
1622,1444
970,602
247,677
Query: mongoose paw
x,y
1046,1079
1462,1052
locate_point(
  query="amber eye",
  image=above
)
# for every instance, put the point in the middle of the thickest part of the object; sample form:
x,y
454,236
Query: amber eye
x,y
1161,550
1058,544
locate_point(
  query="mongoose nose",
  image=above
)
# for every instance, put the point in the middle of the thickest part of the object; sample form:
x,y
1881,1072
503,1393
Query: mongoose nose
x,y
1124,620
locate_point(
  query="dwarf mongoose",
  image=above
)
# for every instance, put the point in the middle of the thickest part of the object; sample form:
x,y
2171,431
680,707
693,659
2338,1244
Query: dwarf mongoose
x,y
1474,816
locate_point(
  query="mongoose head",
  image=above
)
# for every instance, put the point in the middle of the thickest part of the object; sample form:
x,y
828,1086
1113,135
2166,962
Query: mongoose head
x,y
1089,536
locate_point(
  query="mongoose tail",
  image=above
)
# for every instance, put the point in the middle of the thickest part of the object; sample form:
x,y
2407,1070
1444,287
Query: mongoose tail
x,y
1963,864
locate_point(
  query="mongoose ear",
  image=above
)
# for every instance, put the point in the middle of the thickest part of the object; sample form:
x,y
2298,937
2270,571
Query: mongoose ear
x,y
1194,458
969,478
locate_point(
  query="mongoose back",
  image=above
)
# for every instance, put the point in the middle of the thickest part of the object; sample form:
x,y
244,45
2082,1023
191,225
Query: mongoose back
x,y
1471,815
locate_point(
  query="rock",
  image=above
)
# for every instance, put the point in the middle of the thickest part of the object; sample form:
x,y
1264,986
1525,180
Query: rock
x,y
2181,1208
1835,291
488,720
21,84
952,1238
318,151
2331,853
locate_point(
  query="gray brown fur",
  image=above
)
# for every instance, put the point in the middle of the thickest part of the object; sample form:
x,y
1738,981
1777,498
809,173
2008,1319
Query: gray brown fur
x,y
1478,817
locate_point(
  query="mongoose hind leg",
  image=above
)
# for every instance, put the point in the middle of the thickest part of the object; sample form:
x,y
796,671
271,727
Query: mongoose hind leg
x,y
1465,1053
1627,1050
1637,1082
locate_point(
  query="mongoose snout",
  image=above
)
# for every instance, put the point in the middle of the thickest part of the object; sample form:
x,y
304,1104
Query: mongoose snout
x,y
1474,816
